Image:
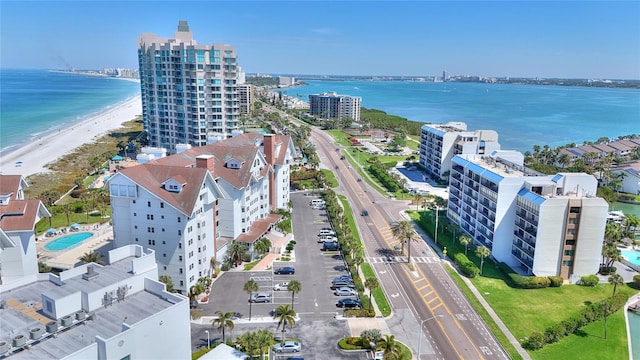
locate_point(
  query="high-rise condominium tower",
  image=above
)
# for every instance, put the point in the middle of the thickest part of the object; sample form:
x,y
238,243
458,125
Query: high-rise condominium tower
x,y
189,91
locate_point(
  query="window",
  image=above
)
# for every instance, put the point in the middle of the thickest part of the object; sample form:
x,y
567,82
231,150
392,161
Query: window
x,y
179,219
571,231
148,203
134,214
152,242
574,210
570,242
567,263
180,258
165,268
164,242
181,270
151,229
181,283
164,255
568,253
179,245
179,232
162,205
149,216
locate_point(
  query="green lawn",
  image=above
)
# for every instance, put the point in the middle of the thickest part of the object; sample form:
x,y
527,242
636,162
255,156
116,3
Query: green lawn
x,y
330,178
378,294
60,220
527,310
340,137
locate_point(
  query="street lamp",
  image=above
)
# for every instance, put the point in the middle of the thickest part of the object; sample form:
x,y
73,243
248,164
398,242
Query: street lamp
x,y
436,234
420,338
208,343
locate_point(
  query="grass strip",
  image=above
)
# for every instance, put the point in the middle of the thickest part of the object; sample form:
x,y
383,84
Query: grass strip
x,y
493,327
378,294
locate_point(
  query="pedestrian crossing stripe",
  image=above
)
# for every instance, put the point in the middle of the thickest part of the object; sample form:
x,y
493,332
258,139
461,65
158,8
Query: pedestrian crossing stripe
x,y
384,259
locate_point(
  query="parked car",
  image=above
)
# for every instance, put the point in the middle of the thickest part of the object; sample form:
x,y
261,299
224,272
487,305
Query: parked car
x,y
345,291
286,270
349,303
281,286
327,238
260,298
287,346
365,213
326,231
344,277
342,283
330,246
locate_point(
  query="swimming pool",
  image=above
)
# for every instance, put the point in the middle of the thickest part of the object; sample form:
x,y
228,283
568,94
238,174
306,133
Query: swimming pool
x,y
68,241
632,256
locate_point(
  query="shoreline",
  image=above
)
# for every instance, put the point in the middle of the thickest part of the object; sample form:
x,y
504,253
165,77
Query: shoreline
x,y
38,152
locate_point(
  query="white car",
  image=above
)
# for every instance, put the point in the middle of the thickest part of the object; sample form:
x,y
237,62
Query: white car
x,y
345,291
281,286
287,346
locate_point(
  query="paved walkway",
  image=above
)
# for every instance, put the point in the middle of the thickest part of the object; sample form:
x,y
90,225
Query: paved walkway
x,y
277,244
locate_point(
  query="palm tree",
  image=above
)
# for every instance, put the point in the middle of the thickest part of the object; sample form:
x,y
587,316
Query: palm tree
x,y
262,246
249,342
285,315
295,287
465,239
372,284
263,340
615,280
223,321
482,252
166,280
250,287
67,210
613,232
404,232
391,348
235,252
91,257
195,290
417,198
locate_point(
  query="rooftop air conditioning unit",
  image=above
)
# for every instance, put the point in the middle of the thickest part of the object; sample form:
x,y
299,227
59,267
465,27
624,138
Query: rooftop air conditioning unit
x,y
4,347
80,315
19,341
52,327
67,320
35,333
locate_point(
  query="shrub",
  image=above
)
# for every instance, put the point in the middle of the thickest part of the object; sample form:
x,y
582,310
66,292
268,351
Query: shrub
x,y
554,333
359,313
246,257
556,281
345,345
636,279
535,341
468,268
224,267
373,334
589,280
607,270
289,247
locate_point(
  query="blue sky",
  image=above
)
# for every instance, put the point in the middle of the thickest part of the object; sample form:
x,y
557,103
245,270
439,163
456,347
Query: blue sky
x,y
546,39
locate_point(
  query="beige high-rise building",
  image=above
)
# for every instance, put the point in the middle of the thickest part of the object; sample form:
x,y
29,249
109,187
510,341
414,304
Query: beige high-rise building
x,y
189,91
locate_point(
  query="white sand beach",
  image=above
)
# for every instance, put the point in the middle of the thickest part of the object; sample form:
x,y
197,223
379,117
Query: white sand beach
x,y
41,151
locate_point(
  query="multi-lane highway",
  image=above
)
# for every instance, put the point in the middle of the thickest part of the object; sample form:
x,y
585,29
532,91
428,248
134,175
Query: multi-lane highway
x,y
451,328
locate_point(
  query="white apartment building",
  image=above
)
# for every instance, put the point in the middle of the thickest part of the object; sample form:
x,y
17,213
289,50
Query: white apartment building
x,y
246,98
171,210
538,224
116,311
18,218
439,143
252,172
188,90
330,105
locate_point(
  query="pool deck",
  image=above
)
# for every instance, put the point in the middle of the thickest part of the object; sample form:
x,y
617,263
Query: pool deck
x,y
66,259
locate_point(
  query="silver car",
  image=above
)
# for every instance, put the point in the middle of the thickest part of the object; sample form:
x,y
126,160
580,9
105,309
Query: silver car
x,y
281,286
287,346
345,291
260,298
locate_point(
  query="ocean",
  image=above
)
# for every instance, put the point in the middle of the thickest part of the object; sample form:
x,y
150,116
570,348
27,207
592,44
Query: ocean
x,y
35,102
523,115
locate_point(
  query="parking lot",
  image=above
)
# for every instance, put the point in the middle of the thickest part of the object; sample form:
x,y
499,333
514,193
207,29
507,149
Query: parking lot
x,y
315,304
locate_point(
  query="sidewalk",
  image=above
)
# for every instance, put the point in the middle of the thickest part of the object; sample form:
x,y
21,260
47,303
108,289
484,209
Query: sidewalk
x,y
477,294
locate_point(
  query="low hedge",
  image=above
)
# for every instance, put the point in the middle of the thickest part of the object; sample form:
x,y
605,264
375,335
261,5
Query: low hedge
x,y
591,313
608,270
589,280
359,313
466,266
556,281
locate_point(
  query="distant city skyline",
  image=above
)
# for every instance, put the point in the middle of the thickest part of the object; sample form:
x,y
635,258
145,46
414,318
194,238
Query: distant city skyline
x,y
416,38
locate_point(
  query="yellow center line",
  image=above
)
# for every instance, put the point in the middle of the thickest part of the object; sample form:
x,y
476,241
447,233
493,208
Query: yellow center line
x,y
455,319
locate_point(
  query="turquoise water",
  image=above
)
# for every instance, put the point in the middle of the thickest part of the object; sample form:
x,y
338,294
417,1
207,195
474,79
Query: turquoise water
x,y
634,330
68,241
632,256
626,208
523,115
35,102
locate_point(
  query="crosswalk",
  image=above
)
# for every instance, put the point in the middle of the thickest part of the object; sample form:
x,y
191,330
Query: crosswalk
x,y
391,259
